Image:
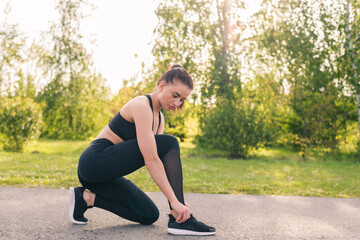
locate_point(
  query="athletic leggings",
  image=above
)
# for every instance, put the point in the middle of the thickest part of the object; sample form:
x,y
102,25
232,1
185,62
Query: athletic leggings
x,y
103,165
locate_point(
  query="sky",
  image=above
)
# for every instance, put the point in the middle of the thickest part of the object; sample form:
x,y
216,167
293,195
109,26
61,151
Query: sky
x,y
122,30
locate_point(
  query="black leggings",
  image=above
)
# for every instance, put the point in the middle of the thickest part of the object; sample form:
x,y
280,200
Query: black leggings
x,y
103,165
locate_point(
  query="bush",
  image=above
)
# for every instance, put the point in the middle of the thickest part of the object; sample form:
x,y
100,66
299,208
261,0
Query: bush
x,y
20,121
234,127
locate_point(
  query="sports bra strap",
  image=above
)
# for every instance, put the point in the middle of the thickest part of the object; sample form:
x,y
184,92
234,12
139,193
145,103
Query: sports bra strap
x,y
151,105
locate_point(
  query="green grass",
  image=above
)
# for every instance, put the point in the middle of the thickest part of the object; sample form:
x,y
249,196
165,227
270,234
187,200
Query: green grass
x,y
277,171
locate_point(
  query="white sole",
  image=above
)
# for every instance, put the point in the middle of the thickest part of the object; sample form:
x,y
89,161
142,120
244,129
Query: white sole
x,y
72,207
176,231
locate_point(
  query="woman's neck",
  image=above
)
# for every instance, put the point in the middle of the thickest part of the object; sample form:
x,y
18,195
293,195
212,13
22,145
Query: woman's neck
x,y
155,101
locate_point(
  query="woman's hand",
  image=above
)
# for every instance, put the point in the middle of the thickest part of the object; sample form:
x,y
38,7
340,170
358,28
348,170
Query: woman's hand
x,y
182,211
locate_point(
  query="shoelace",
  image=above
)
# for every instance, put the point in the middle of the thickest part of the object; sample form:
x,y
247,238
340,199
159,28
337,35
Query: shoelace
x,y
194,220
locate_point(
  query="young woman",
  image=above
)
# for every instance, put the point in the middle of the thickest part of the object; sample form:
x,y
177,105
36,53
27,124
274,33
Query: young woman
x,y
132,139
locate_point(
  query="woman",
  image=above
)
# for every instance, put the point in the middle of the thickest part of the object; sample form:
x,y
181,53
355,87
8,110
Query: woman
x,y
132,139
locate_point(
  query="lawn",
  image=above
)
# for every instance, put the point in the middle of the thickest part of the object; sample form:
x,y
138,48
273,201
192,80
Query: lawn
x,y
275,171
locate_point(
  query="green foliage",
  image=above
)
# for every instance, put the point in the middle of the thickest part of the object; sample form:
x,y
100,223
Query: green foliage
x,y
128,91
300,43
267,92
20,121
180,34
25,86
292,82
75,114
225,38
176,123
193,29
234,124
180,37
325,121
234,128
12,45
74,101
349,27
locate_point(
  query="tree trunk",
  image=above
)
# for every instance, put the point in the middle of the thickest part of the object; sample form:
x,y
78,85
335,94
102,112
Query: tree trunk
x,y
303,138
224,35
352,61
358,110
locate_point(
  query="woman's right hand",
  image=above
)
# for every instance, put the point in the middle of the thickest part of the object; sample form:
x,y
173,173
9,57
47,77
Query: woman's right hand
x,y
182,211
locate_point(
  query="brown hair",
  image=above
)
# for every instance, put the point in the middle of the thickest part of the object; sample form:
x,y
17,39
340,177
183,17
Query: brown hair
x,y
177,72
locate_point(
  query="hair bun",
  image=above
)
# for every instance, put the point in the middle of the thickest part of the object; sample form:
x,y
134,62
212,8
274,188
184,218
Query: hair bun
x,y
176,66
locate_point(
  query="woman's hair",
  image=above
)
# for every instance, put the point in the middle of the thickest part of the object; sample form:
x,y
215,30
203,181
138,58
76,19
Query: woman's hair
x,y
177,72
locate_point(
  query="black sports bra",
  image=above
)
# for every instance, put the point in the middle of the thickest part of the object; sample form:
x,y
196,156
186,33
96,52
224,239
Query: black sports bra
x,y
125,129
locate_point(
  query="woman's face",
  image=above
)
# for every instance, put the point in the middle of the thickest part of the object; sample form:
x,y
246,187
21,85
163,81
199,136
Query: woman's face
x,y
172,95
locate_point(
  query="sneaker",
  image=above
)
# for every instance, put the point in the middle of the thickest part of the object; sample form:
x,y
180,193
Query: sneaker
x,y
77,205
189,227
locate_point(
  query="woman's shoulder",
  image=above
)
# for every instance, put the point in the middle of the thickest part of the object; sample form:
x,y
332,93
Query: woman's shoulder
x,y
139,101
136,101
137,104
139,109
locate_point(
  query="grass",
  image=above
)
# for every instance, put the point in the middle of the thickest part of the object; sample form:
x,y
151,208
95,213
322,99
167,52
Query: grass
x,y
276,171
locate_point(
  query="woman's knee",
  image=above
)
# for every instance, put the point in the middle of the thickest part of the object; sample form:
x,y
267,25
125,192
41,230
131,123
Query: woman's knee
x,y
85,175
151,218
165,143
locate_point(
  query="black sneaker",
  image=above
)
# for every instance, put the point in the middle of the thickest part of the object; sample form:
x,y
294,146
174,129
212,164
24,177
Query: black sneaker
x,y
77,205
189,227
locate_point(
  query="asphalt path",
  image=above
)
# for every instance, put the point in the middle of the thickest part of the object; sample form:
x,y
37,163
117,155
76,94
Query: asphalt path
x,y
39,213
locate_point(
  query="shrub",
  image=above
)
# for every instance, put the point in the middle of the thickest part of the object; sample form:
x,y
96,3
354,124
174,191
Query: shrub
x,y
233,127
20,121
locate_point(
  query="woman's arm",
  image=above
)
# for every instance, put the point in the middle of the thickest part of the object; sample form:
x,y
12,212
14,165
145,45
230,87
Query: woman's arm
x,y
143,121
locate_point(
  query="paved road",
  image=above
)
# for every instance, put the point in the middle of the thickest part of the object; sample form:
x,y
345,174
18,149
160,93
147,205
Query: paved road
x,y
35,213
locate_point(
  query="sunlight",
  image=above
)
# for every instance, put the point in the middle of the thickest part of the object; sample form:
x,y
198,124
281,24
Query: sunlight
x,y
122,31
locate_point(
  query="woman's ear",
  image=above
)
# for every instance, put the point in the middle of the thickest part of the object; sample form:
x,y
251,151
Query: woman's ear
x,y
161,85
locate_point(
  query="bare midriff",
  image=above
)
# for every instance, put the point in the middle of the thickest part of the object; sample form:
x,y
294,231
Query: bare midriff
x,y
109,135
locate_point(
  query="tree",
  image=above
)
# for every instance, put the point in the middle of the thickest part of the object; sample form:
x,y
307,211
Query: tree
x,y
228,111
300,40
205,36
12,47
352,50
179,38
76,96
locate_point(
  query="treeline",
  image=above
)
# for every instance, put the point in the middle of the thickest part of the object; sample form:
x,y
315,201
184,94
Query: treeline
x,y
288,76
